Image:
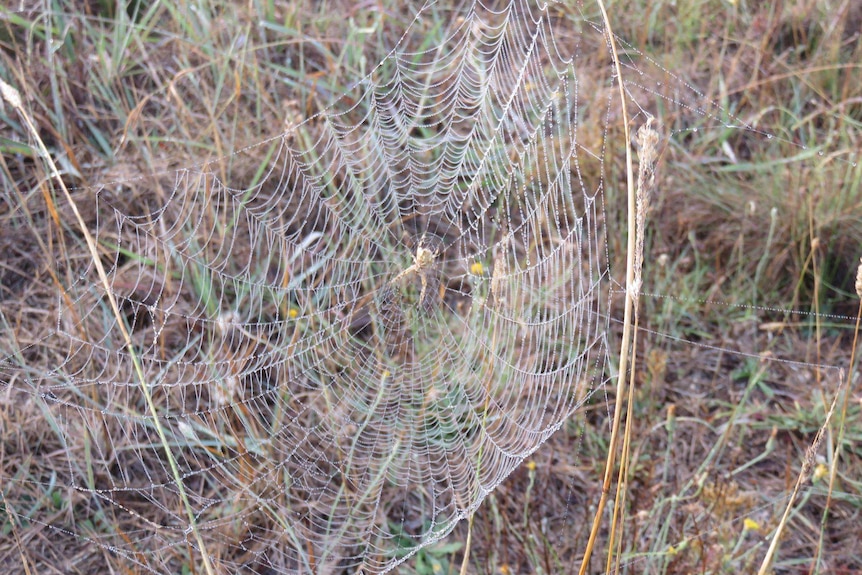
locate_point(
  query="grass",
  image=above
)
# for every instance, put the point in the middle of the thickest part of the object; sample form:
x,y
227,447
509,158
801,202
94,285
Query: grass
x,y
752,245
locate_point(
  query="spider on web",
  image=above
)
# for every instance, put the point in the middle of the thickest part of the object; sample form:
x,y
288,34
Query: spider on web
x,y
425,266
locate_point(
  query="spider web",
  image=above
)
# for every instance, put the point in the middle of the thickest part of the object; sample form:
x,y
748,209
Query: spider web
x,y
350,351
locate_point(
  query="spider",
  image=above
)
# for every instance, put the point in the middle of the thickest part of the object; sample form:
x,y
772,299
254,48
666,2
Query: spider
x,y
423,262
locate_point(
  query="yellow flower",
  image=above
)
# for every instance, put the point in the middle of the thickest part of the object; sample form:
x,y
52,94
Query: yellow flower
x,y
820,471
750,525
531,465
671,550
477,268
293,313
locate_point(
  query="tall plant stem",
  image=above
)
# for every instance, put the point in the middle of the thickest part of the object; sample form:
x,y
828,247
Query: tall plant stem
x,y
630,296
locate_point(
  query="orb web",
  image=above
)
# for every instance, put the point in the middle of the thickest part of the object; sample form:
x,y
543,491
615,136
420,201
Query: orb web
x,y
350,351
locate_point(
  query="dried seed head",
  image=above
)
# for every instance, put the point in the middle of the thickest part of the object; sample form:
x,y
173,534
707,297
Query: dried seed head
x,y
859,279
10,94
648,152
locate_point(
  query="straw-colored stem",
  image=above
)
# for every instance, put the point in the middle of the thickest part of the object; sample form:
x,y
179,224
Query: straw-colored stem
x,y
833,469
629,305
647,159
803,474
622,484
12,96
465,561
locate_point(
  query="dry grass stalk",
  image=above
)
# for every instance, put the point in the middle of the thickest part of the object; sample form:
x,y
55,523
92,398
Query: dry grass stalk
x,y
12,96
648,158
627,338
833,469
807,463
811,452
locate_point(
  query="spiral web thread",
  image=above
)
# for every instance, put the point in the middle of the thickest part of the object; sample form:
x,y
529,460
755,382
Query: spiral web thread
x,y
351,351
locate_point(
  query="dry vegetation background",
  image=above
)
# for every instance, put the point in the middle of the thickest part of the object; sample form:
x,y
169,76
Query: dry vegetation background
x,y
746,231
